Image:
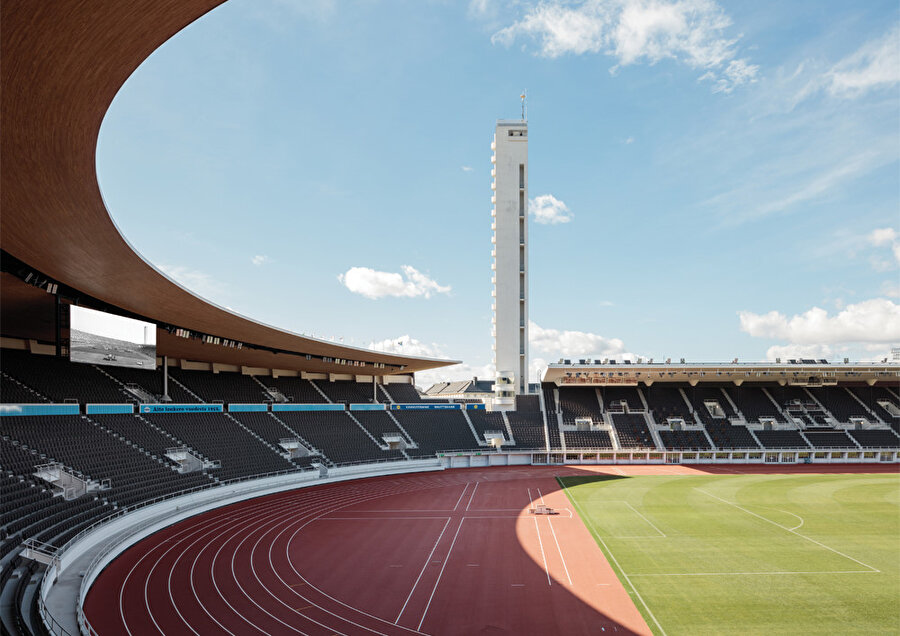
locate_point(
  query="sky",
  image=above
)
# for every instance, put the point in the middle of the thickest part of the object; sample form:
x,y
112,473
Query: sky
x,y
707,180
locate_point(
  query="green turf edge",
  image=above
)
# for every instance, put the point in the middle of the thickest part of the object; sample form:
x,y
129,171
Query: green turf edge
x,y
636,597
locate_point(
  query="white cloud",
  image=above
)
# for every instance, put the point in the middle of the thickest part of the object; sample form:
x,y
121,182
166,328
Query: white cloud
x,y
638,31
405,345
466,168
870,321
260,259
794,352
891,289
875,65
883,236
558,343
374,284
548,210
197,281
628,141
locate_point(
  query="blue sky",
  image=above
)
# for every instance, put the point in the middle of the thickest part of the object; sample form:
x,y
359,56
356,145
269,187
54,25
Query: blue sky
x,y
708,180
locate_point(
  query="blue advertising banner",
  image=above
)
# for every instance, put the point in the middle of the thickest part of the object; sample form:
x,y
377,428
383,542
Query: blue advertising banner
x,y
368,407
108,409
180,408
308,407
426,406
38,409
248,408
474,407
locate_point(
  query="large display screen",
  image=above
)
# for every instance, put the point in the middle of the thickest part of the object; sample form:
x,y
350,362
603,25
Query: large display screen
x,y
97,337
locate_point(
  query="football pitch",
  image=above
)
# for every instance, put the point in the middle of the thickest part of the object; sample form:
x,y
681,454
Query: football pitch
x,y
751,554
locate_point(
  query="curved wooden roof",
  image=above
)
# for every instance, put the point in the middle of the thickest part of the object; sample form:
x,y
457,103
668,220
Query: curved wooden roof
x,y
63,63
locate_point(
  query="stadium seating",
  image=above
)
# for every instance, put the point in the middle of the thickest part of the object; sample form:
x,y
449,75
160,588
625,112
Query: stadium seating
x,y
627,394
61,380
684,440
221,438
875,438
577,401
151,381
222,387
632,431
528,430
667,401
336,435
437,430
753,403
403,393
829,439
872,395
840,403
528,404
781,439
549,397
484,421
296,390
730,436
587,439
348,392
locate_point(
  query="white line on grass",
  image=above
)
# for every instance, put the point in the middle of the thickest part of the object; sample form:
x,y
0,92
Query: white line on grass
x,y
661,533
613,557
818,543
746,573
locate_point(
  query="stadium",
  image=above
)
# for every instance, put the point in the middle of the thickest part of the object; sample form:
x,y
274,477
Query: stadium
x,y
171,466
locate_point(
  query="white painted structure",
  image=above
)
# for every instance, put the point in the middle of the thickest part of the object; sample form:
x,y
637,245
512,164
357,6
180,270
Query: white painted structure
x,y
510,265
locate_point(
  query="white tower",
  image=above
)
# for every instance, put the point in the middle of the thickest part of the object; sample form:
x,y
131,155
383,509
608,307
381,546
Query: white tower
x,y
510,212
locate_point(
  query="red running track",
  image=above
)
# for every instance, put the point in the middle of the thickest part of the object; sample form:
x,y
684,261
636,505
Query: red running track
x,y
454,552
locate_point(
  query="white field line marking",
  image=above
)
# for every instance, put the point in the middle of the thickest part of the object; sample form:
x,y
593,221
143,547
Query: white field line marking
x,y
620,471
427,561
459,501
441,573
661,533
473,495
541,495
541,543
616,561
818,543
746,573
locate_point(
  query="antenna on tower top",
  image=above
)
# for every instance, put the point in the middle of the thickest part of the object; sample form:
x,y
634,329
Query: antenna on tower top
x,y
524,110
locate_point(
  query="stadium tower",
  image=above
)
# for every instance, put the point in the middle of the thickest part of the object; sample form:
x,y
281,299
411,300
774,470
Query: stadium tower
x,y
510,265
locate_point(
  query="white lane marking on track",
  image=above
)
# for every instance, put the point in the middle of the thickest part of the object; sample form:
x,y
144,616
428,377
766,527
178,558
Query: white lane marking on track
x,y
473,495
541,543
459,501
819,543
419,578
441,573
370,494
616,561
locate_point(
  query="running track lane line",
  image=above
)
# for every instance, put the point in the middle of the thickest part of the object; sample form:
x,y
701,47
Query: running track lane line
x,y
459,501
444,565
559,549
473,496
427,561
616,561
541,543
709,494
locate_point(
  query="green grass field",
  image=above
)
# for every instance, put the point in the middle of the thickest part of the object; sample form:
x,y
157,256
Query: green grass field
x,y
751,554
